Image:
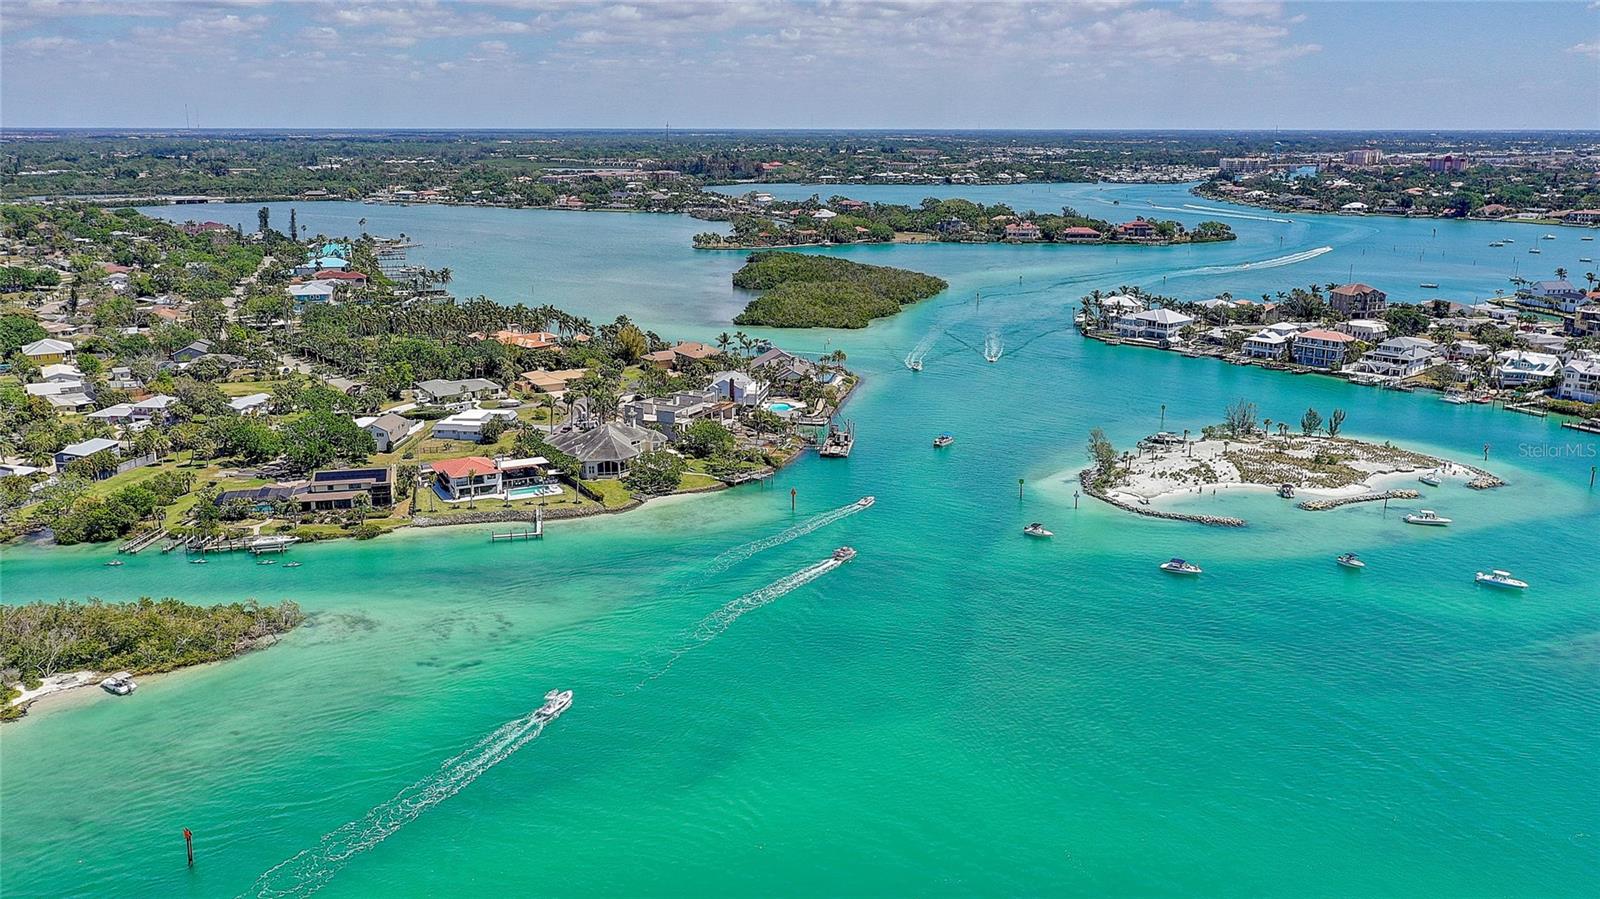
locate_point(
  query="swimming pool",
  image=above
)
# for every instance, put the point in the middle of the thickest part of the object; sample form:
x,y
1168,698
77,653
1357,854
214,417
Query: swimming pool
x,y
533,490
781,408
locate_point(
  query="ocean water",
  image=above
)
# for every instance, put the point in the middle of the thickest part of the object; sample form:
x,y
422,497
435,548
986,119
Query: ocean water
x,y
958,710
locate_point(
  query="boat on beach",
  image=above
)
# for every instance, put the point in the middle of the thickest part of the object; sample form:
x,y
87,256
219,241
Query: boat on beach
x,y
1431,479
555,702
1427,518
1351,560
943,440
119,684
1037,529
1500,578
1179,566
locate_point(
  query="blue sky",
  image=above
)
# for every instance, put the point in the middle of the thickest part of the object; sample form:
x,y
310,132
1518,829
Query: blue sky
x,y
800,63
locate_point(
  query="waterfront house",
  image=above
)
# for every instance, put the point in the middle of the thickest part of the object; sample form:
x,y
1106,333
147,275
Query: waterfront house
x,y
1585,321
1520,368
1022,231
1153,324
470,424
337,488
1078,234
467,477
1580,380
1266,344
951,227
1460,350
670,415
1138,229
84,449
553,383
1321,348
47,351
738,388
1400,357
352,279
606,451
1358,301
783,367
465,391
251,404
388,429
1562,296
534,340
1365,329
690,351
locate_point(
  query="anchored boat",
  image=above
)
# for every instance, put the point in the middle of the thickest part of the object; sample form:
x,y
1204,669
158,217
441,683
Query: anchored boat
x,y
1351,560
943,440
1427,518
1499,578
1179,566
1037,529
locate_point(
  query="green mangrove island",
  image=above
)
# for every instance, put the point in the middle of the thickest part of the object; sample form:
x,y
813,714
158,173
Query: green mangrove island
x,y
41,641
804,291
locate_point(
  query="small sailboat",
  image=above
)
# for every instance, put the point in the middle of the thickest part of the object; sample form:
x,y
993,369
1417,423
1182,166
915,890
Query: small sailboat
x,y
1431,479
1350,560
1037,529
943,440
1499,578
1456,399
1427,518
1179,566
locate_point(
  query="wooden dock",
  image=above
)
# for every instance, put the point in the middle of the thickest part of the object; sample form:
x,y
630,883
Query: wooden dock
x,y
1591,426
533,533
142,542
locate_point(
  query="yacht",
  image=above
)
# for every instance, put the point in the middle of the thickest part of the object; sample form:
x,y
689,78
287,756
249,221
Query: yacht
x,y
1037,529
1427,517
844,554
1498,578
114,563
866,501
943,440
1179,566
1431,479
555,702
1350,560
1430,286
119,684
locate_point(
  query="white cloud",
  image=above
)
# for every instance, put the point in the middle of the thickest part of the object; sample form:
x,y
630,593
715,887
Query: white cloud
x,y
1590,49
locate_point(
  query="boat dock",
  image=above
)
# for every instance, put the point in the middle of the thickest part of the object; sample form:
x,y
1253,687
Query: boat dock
x,y
839,442
533,533
142,542
1591,426
1527,410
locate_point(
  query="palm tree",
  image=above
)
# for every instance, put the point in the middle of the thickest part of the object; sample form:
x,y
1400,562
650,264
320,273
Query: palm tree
x,y
722,342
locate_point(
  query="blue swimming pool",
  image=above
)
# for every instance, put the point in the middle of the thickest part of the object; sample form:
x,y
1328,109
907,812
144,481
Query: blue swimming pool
x,y
533,490
782,407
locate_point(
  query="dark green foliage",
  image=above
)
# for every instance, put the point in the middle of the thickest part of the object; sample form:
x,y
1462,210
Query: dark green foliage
x,y
655,472
807,291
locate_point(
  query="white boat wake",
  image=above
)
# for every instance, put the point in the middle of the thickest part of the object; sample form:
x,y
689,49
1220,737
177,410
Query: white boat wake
x,y
1275,262
1212,210
914,358
312,869
713,625
738,554
994,346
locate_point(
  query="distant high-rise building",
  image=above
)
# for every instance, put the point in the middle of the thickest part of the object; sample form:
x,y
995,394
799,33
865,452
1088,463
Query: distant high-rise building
x,y
1364,156
1447,163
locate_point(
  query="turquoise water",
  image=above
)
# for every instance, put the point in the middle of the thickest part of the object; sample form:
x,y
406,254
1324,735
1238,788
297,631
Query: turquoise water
x,y
959,709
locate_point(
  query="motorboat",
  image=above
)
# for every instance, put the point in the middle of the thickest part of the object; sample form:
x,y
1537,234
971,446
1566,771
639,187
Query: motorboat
x,y
1430,286
866,501
1536,251
1547,237
1497,244
198,561
1428,518
1585,258
915,365
1498,578
1037,529
119,684
292,565
555,702
1286,491
1586,238
266,561
844,554
943,440
114,563
1351,560
1431,479
1179,566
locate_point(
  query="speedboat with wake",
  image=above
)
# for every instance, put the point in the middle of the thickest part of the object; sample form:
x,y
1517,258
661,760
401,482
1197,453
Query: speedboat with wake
x,y
915,365
1498,578
1179,566
866,502
1351,560
1037,529
844,554
1427,518
555,702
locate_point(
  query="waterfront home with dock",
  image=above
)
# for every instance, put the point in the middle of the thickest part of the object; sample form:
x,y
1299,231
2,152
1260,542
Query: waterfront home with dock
x,y
672,414
336,488
1520,368
467,477
1153,324
1321,348
606,451
1580,379
1399,357
1267,344
1364,329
